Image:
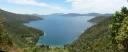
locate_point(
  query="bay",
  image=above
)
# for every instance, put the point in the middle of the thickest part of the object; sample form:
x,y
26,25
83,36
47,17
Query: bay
x,y
60,30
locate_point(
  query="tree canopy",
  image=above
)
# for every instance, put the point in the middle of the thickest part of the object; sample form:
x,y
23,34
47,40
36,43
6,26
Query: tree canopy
x,y
119,29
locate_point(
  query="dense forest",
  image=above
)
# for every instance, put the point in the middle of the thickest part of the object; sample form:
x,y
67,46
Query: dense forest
x,y
109,34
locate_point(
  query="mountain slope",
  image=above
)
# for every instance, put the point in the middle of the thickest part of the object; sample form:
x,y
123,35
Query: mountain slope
x,y
17,17
14,35
94,39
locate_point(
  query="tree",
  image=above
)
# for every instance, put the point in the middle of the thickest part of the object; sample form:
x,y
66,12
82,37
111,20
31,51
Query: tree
x,y
119,29
122,35
124,11
117,19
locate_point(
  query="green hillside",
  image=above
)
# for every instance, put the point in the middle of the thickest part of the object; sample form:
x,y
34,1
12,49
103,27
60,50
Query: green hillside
x,y
15,34
95,39
110,34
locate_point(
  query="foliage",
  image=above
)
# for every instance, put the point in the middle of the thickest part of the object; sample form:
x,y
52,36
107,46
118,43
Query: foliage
x,y
94,39
116,22
119,29
14,35
122,35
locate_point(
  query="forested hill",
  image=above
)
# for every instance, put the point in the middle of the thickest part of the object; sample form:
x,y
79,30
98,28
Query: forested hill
x,y
110,34
10,17
98,19
14,36
95,38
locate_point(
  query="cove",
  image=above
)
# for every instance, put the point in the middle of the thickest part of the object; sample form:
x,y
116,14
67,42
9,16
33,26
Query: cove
x,y
60,30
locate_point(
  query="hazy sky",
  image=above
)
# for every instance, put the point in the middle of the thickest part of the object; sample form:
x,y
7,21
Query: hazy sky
x,y
62,6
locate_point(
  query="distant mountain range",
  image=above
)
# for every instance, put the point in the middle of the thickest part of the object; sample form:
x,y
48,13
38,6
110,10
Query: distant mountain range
x,y
77,14
89,14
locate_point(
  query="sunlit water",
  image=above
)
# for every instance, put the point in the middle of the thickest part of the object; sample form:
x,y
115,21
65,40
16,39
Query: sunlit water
x,y
60,30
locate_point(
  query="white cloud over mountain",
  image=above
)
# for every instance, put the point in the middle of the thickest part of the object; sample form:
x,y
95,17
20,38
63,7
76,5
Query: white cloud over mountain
x,y
101,6
75,6
35,3
28,2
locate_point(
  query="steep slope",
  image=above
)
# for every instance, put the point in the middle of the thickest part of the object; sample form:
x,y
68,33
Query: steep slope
x,y
110,34
10,17
14,35
94,39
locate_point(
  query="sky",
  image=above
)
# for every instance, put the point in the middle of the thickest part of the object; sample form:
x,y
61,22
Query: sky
x,y
62,6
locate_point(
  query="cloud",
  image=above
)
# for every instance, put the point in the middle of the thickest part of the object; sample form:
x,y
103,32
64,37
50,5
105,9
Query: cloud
x,y
35,3
76,6
101,6
28,2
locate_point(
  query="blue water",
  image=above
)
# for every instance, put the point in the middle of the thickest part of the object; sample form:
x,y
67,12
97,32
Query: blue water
x,y
60,30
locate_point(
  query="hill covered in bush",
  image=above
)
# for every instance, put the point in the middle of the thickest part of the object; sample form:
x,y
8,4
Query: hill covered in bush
x,y
14,35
